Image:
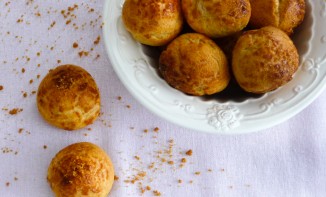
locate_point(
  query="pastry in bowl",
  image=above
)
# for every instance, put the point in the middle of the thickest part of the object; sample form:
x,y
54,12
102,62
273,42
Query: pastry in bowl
x,y
81,170
195,65
68,97
264,59
286,14
153,22
216,18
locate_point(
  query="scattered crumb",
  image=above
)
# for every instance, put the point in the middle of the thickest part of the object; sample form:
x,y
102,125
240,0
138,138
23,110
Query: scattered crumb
x,y
45,147
75,45
1,87
83,53
119,98
15,111
116,178
128,106
15,179
97,40
179,181
20,130
183,160
197,173
156,193
156,129
7,184
189,152
137,157
145,130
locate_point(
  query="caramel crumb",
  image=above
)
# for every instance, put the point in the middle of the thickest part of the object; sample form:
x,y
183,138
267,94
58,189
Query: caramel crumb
x,y
15,111
128,106
116,178
23,70
97,40
20,130
137,157
75,45
156,129
145,130
119,98
183,160
15,178
148,188
82,53
197,173
156,193
179,181
1,87
189,152
170,162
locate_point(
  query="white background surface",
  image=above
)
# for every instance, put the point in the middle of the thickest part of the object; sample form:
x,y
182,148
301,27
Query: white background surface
x,y
286,160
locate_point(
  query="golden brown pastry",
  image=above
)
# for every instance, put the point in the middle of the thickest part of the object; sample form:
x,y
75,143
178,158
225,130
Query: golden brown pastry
x,y
285,14
264,60
216,18
194,64
153,22
81,170
68,97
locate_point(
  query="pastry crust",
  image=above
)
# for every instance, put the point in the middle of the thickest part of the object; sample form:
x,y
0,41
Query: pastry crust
x,y
264,59
81,170
217,18
153,22
68,98
194,64
285,14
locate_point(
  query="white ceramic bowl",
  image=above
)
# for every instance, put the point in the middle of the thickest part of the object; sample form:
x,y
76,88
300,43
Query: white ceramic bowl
x,y
136,66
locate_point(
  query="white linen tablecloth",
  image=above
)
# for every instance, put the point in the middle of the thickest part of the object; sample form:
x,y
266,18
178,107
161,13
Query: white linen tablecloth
x,y
149,154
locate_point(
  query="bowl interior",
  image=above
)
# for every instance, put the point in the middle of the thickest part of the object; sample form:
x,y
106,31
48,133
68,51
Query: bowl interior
x,y
233,93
